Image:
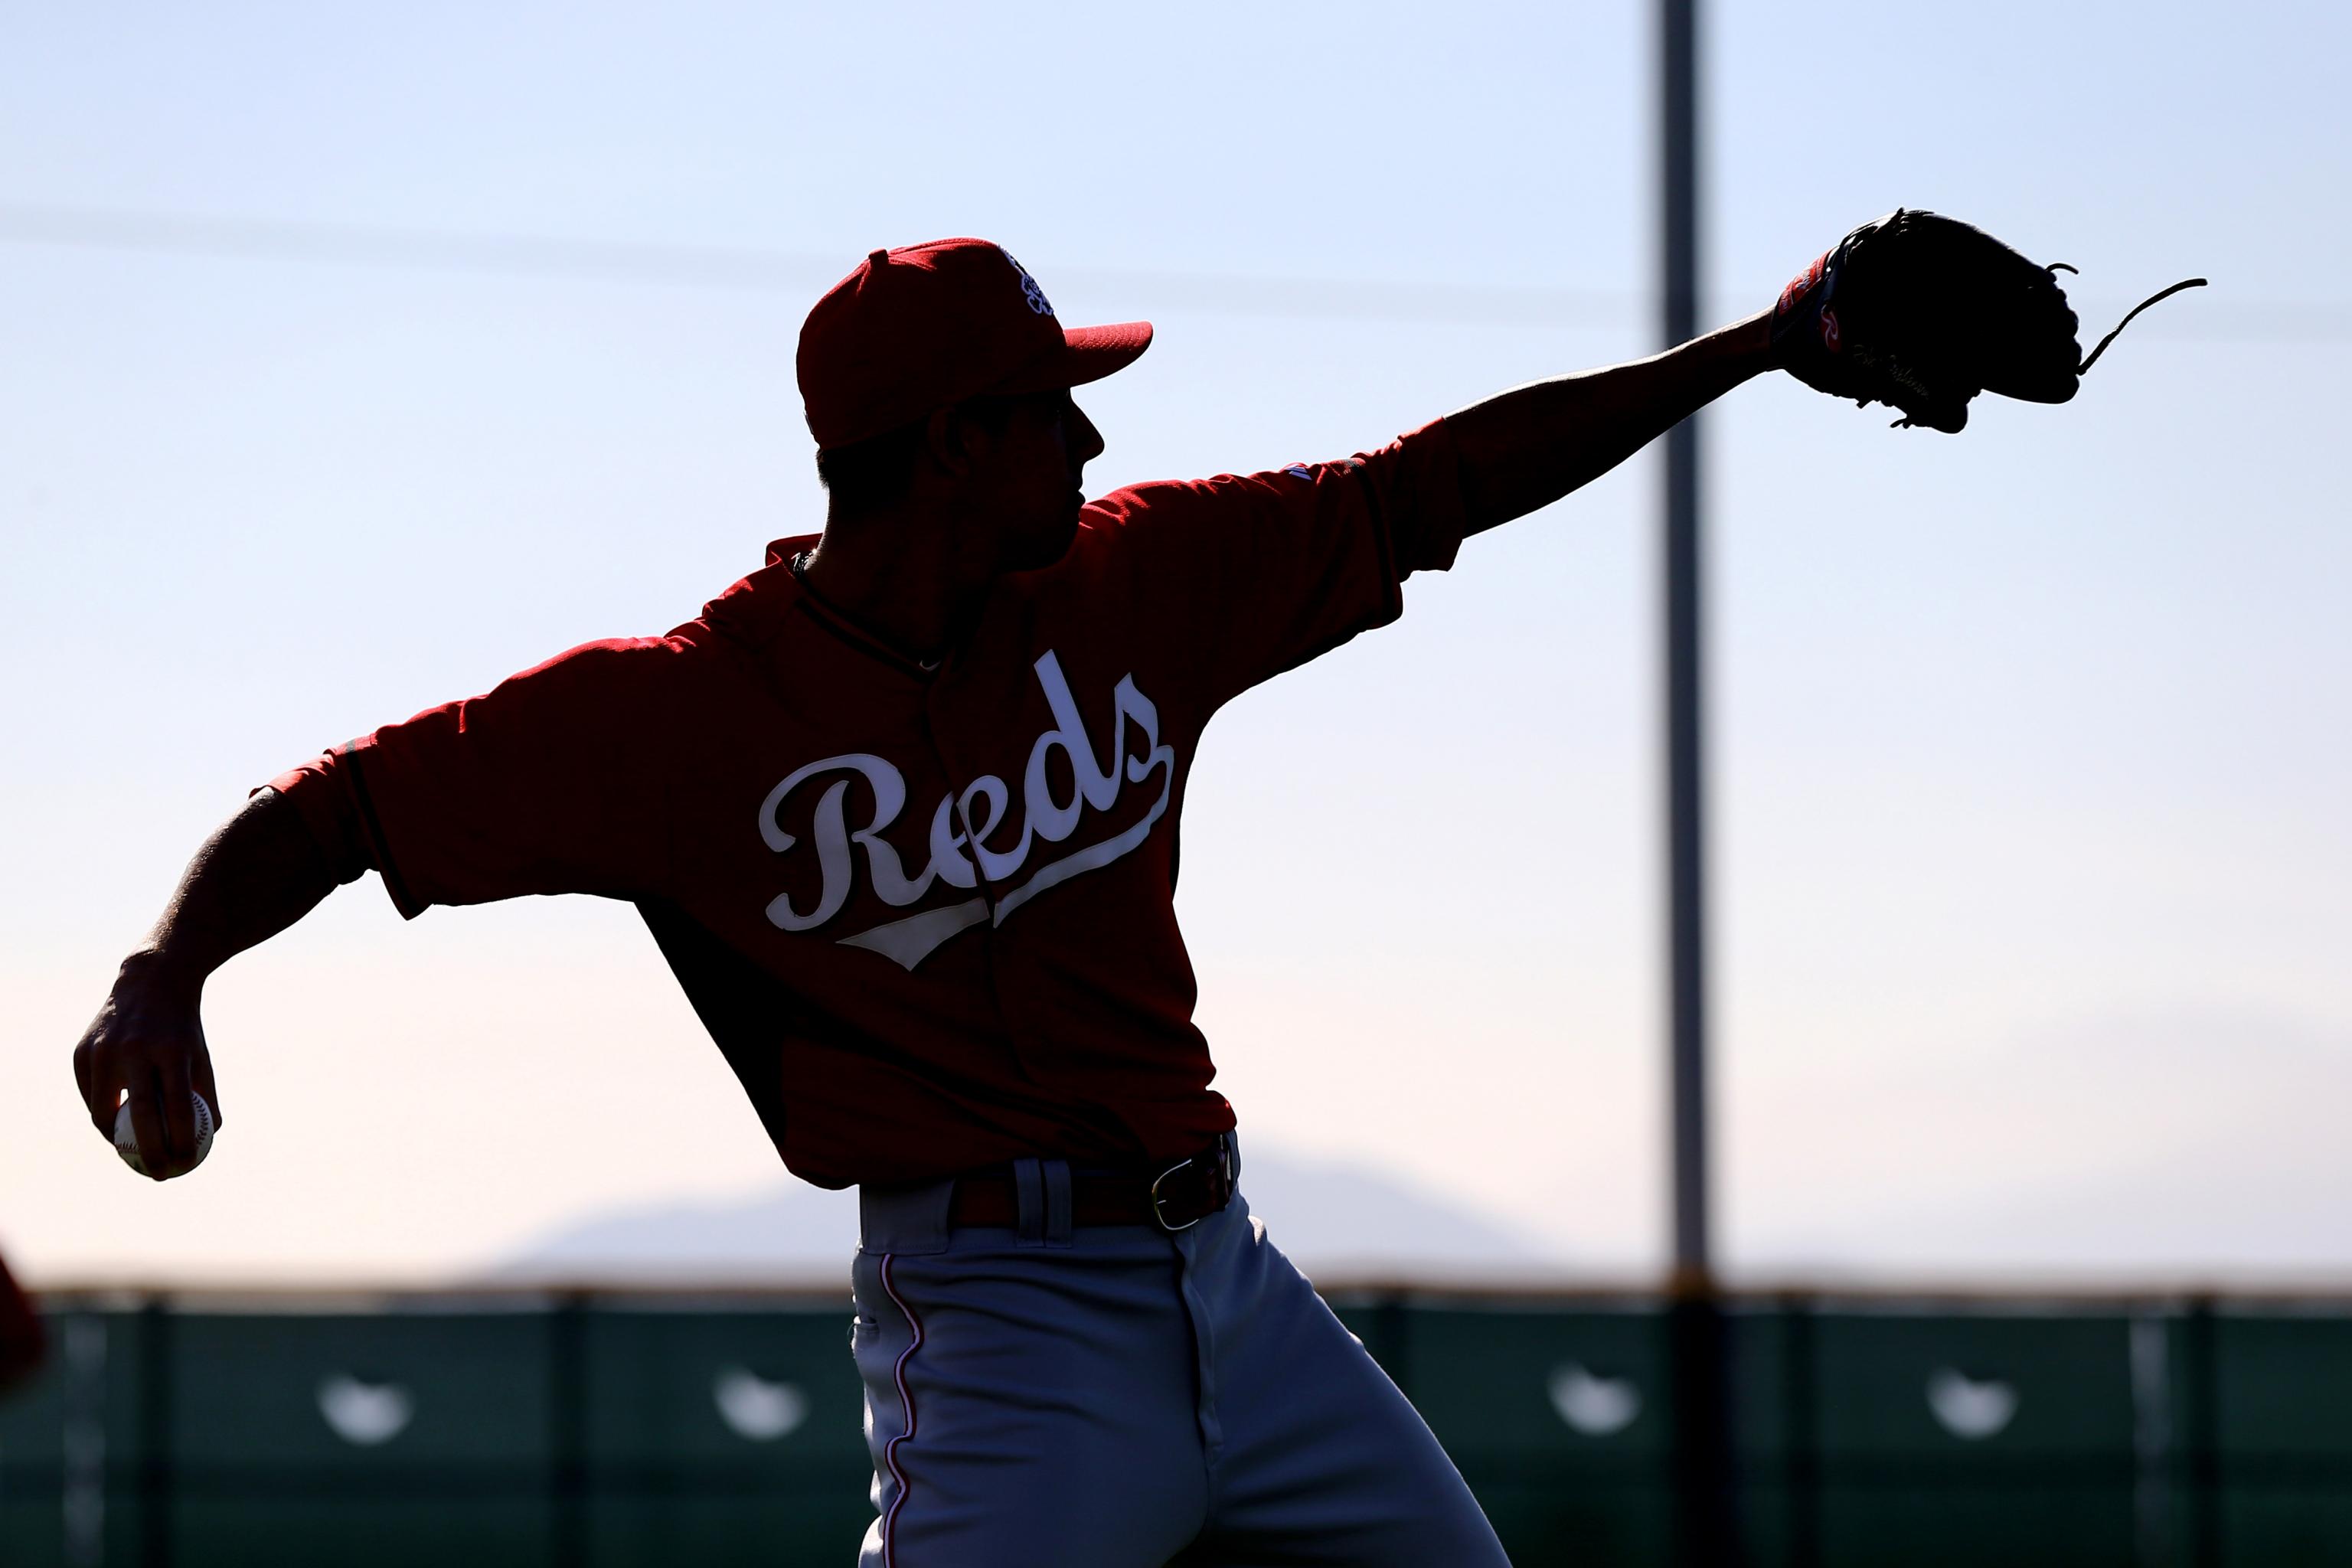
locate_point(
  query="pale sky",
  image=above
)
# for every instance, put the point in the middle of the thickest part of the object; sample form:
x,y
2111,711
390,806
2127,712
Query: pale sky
x,y
2031,745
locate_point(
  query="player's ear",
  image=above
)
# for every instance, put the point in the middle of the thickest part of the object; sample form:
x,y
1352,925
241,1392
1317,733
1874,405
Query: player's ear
x,y
950,439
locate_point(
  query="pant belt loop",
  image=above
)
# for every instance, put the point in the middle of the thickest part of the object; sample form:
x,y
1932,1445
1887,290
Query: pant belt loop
x,y
1029,1190
1057,1203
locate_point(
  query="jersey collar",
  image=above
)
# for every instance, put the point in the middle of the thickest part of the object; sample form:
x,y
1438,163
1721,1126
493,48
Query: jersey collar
x,y
817,608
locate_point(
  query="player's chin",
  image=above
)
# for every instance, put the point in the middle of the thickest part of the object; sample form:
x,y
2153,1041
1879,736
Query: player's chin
x,y
1049,544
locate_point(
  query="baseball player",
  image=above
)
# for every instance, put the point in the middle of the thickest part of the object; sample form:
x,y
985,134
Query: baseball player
x,y
900,810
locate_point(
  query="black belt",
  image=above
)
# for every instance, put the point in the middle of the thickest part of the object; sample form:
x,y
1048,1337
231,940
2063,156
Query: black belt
x,y
1175,1197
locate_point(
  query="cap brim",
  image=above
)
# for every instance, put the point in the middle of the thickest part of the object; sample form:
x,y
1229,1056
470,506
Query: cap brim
x,y
1088,353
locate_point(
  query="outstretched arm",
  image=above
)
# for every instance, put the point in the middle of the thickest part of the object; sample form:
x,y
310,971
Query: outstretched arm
x,y
1526,447
262,871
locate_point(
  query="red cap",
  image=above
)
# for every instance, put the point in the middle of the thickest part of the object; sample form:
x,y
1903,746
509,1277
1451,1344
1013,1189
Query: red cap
x,y
924,326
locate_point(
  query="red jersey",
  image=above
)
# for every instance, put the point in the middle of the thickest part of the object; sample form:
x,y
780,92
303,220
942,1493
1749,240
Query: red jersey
x,y
926,911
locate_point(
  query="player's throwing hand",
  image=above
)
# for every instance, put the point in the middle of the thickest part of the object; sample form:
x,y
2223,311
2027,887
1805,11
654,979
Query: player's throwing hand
x,y
258,875
145,1051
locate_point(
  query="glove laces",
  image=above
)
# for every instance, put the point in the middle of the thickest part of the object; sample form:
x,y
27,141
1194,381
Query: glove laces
x,y
2093,358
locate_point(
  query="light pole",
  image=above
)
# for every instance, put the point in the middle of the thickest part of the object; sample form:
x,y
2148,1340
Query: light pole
x,y
1704,1531
1685,842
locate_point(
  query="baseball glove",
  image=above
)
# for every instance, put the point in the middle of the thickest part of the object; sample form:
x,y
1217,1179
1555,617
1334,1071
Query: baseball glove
x,y
1923,311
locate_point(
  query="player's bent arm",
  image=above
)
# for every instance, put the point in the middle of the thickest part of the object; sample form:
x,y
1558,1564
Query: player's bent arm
x,y
259,874
1522,449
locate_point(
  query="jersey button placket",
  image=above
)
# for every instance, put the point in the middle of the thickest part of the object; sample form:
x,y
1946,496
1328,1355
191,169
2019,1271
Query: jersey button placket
x,y
959,793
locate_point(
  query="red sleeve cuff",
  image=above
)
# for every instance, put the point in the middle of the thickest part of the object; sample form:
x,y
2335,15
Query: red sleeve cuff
x,y
1427,520
327,794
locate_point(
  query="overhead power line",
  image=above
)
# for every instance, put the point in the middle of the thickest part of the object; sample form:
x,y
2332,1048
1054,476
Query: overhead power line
x,y
800,273
647,264
282,239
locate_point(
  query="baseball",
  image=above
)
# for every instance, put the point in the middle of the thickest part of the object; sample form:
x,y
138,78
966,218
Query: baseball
x,y
126,1143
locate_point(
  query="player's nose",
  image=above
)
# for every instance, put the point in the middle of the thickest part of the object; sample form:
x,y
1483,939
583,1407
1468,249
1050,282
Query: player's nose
x,y
1086,442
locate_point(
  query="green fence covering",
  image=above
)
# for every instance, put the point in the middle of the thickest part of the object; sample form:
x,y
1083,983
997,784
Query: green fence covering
x,y
74,1450
609,1432
2274,1405
1988,1437
361,1438
723,1436
1558,1419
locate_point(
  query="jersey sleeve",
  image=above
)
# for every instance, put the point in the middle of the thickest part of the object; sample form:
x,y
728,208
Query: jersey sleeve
x,y
550,783
1260,572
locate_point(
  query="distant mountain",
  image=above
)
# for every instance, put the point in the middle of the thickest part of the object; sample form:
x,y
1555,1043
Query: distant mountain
x,y
2180,1147
2184,1146
1331,1220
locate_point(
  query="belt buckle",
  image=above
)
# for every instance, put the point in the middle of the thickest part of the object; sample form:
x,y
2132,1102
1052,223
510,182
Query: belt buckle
x,y
1221,1184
